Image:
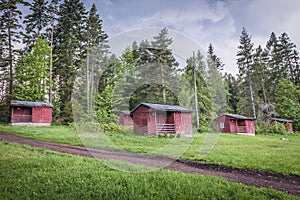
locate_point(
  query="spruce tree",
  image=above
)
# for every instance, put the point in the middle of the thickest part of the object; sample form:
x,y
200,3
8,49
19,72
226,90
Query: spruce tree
x,y
275,64
36,22
69,50
233,91
10,35
216,83
156,66
96,43
197,64
290,64
244,62
164,62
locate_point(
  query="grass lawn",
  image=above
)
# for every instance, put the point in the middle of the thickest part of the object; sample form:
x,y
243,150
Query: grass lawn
x,y
33,173
263,152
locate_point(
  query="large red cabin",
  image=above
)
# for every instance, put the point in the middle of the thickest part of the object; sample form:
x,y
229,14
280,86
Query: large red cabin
x,y
237,124
159,119
30,113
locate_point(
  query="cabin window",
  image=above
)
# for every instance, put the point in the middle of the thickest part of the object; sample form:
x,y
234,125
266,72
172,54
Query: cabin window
x,y
222,125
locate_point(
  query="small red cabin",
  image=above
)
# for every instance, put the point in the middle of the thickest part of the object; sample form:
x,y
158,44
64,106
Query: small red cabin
x,y
232,123
287,123
158,119
30,113
125,118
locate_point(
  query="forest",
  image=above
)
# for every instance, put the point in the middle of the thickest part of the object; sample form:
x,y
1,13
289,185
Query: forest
x,y
59,53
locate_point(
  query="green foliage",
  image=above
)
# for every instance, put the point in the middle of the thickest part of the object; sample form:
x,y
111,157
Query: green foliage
x,y
68,48
111,128
10,29
287,102
32,73
273,128
203,90
36,22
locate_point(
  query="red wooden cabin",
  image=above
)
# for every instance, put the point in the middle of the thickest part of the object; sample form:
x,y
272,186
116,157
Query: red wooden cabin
x,y
287,123
30,113
125,118
158,119
238,124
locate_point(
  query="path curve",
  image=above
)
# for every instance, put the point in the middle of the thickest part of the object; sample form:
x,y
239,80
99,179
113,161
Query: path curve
x,y
290,184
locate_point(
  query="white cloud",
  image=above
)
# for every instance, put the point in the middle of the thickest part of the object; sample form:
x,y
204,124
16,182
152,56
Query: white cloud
x,y
216,22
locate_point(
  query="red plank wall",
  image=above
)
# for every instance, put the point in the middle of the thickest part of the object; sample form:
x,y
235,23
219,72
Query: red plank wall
x,y
41,115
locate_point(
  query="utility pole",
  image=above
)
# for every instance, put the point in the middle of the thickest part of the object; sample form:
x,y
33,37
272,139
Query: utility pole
x,y
195,88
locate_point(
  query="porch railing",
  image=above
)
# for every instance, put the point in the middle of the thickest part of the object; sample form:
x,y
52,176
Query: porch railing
x,y
165,128
21,118
242,129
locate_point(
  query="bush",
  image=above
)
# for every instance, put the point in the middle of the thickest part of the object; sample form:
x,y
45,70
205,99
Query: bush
x,y
274,128
202,129
278,128
111,128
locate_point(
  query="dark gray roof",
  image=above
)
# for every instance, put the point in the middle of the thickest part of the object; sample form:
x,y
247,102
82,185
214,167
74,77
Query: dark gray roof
x,y
125,112
237,116
29,104
162,107
281,120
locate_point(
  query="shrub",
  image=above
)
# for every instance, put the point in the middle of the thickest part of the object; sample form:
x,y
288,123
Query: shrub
x,y
202,129
111,128
274,128
278,128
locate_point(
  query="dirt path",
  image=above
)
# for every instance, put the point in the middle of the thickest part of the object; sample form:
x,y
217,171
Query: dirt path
x,y
290,184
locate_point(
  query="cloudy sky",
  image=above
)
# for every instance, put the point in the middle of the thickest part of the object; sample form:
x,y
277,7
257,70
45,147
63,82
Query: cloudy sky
x,y
201,21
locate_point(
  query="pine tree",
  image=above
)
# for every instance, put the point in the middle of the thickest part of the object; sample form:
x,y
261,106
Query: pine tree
x,y
244,62
69,49
233,91
161,54
216,83
52,12
157,66
212,60
36,22
198,65
290,64
126,83
275,64
10,35
96,40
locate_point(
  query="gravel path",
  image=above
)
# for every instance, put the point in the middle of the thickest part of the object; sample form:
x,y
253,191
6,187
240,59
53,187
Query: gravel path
x,y
290,184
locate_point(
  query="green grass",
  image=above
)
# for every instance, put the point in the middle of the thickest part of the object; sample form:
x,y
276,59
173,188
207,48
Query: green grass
x,y
262,152
33,173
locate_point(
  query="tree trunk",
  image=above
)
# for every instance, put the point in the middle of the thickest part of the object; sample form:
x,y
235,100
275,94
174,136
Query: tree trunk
x,y
252,99
196,94
87,79
163,82
10,56
51,58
